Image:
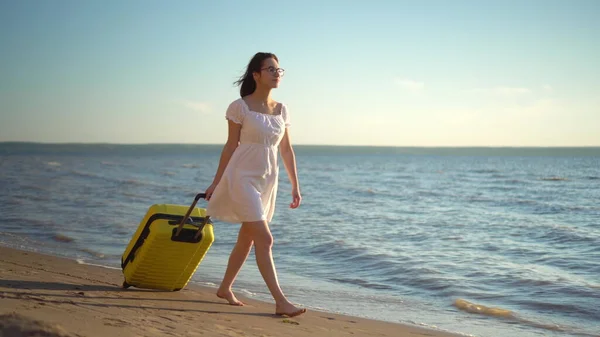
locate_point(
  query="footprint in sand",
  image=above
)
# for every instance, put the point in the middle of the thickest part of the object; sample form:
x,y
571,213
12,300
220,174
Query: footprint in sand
x,y
168,318
18,325
289,321
157,331
76,294
229,331
116,322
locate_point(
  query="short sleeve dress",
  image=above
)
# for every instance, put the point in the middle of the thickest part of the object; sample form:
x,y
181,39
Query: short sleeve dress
x,y
248,188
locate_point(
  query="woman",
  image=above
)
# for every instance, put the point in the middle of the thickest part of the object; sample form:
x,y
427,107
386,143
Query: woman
x,y
245,185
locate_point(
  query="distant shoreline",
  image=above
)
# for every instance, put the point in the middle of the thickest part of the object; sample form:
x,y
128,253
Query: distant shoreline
x,y
37,148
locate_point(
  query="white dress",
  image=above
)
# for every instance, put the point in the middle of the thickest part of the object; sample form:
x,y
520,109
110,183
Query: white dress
x,y
248,188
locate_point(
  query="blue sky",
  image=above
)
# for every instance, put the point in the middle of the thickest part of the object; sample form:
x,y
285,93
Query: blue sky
x,y
400,73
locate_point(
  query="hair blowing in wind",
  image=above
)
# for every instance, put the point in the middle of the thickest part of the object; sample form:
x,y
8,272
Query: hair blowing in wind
x,y
246,81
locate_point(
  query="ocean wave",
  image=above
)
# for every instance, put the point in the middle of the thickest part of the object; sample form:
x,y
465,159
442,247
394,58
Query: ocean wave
x,y
130,194
427,282
92,252
543,207
62,238
560,234
87,174
91,177
550,307
340,250
362,283
501,188
554,179
27,197
593,286
145,183
82,261
518,201
513,181
485,171
110,163
27,187
28,223
430,193
478,199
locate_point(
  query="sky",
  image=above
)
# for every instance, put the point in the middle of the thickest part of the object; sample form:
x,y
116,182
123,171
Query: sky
x,y
381,73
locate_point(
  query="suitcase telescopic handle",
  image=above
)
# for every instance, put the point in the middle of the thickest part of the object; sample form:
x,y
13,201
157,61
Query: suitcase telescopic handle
x,y
187,215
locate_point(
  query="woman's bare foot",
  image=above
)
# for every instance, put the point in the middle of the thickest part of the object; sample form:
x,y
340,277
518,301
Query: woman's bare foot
x,y
230,297
288,309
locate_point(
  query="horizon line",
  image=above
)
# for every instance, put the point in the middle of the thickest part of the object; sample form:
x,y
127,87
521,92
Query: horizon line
x,y
305,144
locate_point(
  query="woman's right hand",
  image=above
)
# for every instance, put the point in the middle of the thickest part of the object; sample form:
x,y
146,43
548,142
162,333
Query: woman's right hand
x,y
209,191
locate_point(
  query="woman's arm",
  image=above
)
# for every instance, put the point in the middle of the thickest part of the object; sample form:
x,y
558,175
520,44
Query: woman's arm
x,y
289,161
233,140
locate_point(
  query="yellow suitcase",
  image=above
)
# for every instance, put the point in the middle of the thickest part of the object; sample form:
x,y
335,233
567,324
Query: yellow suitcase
x,y
168,246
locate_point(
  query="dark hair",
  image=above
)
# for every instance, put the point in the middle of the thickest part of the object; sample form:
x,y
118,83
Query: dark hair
x,y
247,80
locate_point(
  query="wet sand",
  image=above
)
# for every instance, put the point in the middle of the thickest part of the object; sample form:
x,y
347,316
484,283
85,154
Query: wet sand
x,y
43,295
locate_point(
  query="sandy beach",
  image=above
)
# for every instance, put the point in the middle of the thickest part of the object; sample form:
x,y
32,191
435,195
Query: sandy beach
x,y
60,297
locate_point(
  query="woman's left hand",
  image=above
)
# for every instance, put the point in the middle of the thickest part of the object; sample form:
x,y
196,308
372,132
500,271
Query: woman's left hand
x,y
296,198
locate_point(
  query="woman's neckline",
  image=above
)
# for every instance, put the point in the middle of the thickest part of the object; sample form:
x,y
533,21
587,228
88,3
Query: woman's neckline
x,y
260,113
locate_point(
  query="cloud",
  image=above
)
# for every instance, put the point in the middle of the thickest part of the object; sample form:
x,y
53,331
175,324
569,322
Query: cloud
x,y
547,88
504,91
410,85
508,116
540,108
197,106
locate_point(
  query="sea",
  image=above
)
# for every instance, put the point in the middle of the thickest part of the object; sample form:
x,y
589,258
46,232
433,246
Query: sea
x,y
479,241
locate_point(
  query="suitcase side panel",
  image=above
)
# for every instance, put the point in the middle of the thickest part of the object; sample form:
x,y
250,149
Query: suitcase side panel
x,y
175,212
161,263
151,211
194,262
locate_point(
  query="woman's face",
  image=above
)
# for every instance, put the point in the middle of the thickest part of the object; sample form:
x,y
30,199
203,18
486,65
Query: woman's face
x,y
269,75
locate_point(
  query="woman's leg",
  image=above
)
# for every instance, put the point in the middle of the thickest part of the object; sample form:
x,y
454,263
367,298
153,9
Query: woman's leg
x,y
238,256
263,242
